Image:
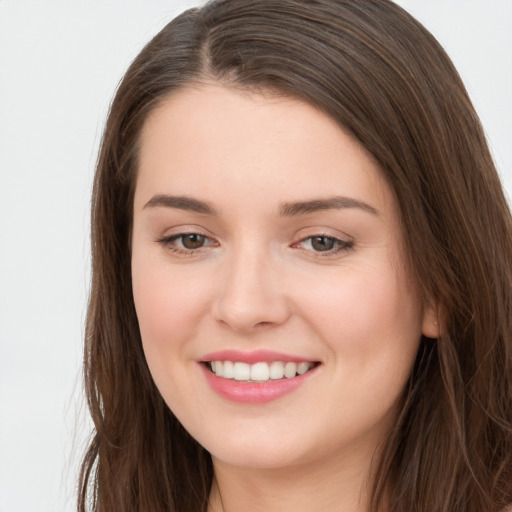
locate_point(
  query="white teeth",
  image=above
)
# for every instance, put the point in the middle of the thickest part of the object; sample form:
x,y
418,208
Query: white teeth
x,y
301,368
228,370
276,370
290,370
241,371
259,372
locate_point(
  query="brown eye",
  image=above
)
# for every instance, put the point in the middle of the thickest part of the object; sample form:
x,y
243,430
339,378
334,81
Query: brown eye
x,y
322,243
187,244
193,241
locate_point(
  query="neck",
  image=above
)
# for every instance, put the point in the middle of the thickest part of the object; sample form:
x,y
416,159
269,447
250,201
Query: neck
x,y
341,486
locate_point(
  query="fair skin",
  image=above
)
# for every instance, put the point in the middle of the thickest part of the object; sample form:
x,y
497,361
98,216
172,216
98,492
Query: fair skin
x,y
292,248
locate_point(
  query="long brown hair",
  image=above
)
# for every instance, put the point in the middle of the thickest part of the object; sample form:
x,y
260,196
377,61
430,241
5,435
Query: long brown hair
x,y
384,78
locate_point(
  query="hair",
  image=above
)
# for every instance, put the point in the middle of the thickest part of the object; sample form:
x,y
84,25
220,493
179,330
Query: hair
x,y
384,78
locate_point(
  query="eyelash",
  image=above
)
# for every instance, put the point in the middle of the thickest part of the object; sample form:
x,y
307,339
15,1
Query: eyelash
x,y
169,243
339,245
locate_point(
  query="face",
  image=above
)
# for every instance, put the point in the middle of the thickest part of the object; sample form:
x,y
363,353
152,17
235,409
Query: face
x,y
266,242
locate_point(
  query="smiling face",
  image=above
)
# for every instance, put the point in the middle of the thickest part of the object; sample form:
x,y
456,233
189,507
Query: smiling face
x,y
264,236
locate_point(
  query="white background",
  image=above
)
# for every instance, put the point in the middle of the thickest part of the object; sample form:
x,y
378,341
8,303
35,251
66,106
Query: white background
x,y
60,62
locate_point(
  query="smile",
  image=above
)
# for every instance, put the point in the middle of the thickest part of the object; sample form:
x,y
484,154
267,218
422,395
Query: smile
x,y
257,377
260,371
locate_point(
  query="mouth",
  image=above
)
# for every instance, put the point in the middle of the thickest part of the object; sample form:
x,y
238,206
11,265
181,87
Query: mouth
x,y
259,371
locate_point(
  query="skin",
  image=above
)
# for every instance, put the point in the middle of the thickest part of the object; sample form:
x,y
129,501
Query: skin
x,y
258,282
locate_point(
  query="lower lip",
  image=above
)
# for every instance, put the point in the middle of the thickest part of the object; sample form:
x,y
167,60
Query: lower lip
x,y
254,392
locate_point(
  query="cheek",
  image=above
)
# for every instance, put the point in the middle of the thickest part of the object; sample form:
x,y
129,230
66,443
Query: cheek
x,y
169,307
371,324
367,315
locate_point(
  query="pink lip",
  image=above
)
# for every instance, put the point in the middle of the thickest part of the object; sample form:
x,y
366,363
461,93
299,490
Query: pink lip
x,y
257,356
253,392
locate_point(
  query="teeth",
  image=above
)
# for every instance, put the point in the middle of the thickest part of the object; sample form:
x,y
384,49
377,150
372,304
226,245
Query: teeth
x,y
241,371
290,370
228,369
276,370
259,372
301,368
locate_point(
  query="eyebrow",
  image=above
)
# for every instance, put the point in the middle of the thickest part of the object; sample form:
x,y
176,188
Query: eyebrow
x,y
181,203
318,205
286,210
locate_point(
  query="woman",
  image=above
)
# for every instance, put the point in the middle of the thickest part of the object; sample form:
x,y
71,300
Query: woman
x,y
301,293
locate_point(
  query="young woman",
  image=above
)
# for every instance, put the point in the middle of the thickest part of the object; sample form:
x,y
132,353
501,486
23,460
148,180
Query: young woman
x,y
302,286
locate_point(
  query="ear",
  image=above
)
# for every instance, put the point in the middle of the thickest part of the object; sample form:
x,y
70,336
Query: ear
x,y
430,325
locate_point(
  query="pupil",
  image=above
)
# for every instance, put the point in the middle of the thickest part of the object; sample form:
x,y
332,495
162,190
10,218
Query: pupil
x,y
193,241
322,243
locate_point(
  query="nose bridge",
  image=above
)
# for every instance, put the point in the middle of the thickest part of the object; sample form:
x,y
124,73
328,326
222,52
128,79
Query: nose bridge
x,y
250,295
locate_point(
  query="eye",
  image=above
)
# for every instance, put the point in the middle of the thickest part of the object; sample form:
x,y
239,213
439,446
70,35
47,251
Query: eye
x,y
324,244
186,243
192,240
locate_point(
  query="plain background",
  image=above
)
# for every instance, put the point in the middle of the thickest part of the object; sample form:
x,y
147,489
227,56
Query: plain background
x,y
60,62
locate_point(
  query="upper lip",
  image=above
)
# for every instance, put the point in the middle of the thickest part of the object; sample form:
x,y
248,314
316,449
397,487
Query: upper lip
x,y
256,356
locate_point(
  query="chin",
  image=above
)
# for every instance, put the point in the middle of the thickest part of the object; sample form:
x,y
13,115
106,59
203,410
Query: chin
x,y
252,449
256,457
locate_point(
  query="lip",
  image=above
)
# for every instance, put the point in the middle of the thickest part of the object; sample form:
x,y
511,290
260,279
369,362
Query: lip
x,y
253,392
256,356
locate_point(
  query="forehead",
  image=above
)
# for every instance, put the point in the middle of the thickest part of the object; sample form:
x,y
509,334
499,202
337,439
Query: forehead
x,y
203,138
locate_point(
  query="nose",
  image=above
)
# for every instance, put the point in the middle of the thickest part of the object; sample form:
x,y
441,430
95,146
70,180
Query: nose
x,y
251,294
